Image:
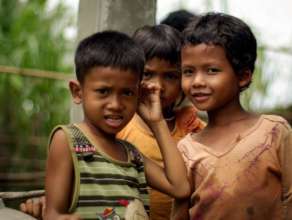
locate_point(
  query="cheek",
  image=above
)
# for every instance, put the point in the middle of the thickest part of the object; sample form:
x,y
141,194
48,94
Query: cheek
x,y
176,89
186,85
171,86
132,105
172,93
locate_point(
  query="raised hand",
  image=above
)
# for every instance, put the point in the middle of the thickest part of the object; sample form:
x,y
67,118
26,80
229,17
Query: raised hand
x,y
149,104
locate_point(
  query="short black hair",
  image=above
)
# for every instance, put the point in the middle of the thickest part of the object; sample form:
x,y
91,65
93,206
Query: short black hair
x,y
179,19
229,32
161,41
108,49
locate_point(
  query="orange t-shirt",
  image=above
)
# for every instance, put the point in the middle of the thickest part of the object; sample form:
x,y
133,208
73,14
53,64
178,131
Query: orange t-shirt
x,y
250,180
136,133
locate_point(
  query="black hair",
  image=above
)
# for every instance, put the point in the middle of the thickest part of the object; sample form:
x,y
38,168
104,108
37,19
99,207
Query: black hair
x,y
179,19
161,41
229,32
108,49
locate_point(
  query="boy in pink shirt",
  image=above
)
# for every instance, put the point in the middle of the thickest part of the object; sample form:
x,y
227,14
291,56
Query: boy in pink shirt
x,y
238,166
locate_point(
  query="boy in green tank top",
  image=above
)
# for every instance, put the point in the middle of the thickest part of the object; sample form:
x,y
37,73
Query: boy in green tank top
x,y
90,173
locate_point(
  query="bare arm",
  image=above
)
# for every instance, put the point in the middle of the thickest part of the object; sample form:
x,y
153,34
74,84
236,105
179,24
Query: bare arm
x,y
286,155
59,179
172,179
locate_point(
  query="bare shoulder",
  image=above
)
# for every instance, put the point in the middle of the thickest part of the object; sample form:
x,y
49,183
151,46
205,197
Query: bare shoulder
x,y
59,145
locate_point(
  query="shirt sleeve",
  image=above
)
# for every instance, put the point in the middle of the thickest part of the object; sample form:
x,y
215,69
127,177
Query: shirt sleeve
x,y
286,159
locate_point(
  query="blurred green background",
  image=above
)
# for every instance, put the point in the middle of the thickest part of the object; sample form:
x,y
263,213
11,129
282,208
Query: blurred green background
x,y
31,36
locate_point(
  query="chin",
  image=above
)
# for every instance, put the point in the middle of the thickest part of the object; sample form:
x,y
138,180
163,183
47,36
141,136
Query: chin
x,y
201,107
115,130
111,133
111,130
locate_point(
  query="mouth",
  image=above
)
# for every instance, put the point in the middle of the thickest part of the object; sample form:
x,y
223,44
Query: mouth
x,y
200,97
114,121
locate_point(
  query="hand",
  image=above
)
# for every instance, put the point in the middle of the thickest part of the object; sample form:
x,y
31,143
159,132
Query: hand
x,y
34,207
149,106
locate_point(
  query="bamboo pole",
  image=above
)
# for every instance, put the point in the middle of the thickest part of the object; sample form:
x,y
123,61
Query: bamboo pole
x,y
35,73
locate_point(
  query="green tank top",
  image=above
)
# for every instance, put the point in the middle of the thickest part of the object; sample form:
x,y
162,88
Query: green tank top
x,y
105,188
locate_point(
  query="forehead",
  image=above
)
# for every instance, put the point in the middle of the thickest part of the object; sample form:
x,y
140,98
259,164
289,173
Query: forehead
x,y
157,63
112,75
203,52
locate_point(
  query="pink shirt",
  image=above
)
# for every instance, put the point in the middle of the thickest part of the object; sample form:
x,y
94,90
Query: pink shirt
x,y
251,180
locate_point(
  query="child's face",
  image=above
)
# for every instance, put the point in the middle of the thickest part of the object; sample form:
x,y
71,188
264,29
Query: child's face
x,y
109,97
167,75
208,78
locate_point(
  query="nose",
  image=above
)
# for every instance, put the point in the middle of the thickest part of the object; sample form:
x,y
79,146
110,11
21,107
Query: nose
x,y
198,80
160,82
115,103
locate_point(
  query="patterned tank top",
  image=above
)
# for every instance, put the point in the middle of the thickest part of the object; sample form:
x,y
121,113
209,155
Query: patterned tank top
x,y
105,188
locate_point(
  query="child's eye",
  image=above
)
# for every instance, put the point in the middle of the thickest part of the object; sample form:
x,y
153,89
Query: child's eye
x,y
103,91
147,75
213,70
128,93
172,76
187,72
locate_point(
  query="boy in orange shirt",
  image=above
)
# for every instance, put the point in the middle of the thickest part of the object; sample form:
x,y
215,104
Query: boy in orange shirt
x,y
161,45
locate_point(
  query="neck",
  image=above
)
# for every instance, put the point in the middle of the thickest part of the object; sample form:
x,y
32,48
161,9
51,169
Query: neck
x,y
227,115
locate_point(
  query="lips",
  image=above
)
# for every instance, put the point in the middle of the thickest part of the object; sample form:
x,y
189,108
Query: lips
x,y
114,121
201,97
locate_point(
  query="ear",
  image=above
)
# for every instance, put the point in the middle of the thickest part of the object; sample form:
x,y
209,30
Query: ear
x,y
76,91
245,78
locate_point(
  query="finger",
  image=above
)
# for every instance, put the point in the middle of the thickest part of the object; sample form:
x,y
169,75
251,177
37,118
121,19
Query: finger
x,y
150,89
43,201
28,205
36,207
150,85
22,207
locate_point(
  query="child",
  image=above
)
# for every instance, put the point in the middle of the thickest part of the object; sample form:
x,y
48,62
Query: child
x,y
179,19
102,177
161,45
238,165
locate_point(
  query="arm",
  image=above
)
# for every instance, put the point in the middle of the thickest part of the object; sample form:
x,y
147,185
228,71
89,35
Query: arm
x,y
286,155
180,210
59,178
172,179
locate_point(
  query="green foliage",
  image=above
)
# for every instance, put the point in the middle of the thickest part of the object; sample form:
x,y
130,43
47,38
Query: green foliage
x,y
31,36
